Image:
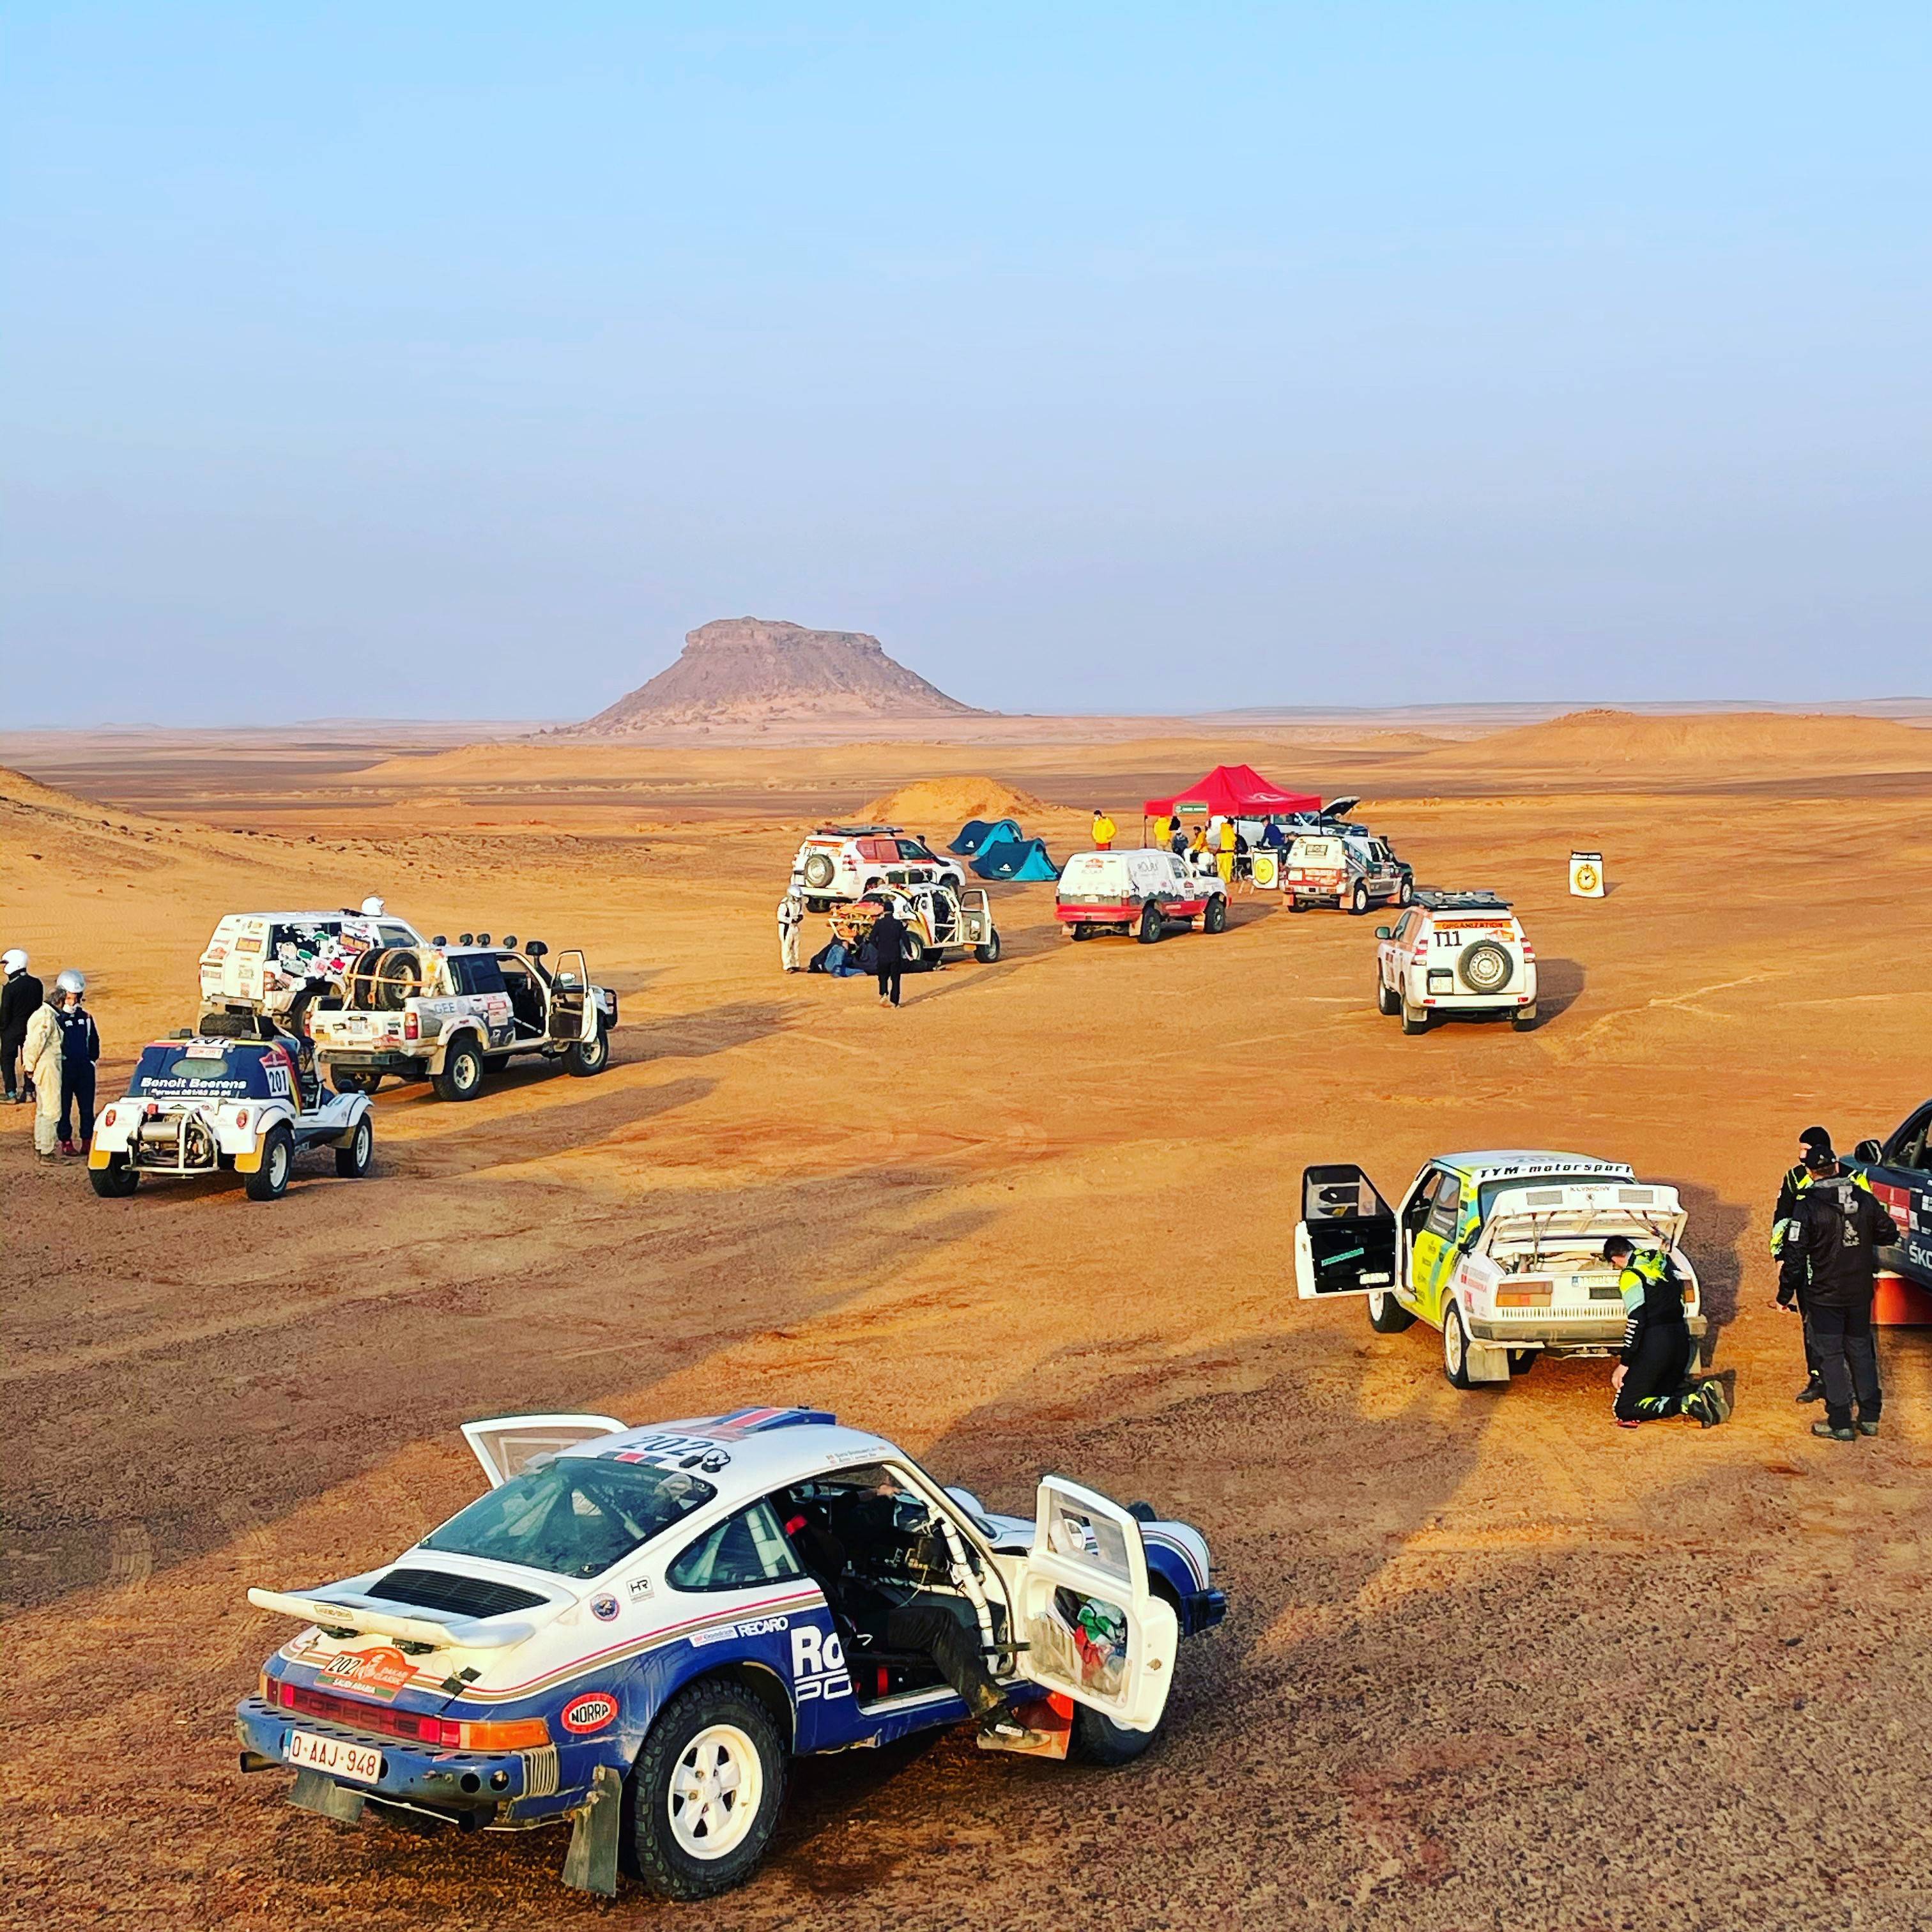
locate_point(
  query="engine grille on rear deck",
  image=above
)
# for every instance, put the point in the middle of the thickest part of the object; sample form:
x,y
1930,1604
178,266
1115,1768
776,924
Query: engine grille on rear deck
x,y
462,1596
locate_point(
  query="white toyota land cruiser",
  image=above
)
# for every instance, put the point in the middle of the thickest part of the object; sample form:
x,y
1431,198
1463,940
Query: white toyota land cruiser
x,y
840,862
446,1013
1459,953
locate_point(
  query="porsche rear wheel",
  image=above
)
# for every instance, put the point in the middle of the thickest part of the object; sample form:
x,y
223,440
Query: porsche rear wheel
x,y
703,1795
1097,1739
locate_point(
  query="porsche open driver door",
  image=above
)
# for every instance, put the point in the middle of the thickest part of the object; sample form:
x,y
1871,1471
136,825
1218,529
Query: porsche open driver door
x,y
1094,1631
505,1444
1345,1242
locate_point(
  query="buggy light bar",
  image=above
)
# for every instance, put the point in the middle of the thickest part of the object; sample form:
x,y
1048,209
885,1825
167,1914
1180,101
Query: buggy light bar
x,y
363,1613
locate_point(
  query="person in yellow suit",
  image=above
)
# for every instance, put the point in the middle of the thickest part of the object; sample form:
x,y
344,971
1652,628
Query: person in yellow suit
x,y
1197,850
1104,829
1225,862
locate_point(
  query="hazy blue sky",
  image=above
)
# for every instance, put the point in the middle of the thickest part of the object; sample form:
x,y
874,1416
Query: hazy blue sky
x,y
426,360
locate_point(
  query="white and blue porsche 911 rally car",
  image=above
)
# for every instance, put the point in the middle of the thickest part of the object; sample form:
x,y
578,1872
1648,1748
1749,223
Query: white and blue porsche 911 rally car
x,y
635,1629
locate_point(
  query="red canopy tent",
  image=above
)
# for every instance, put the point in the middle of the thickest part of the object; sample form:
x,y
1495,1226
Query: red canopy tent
x,y
1234,791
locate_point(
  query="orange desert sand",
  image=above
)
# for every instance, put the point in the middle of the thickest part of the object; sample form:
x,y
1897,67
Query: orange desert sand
x,y
1491,1662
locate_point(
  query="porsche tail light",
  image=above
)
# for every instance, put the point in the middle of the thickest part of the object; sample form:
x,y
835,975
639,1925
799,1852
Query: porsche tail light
x,y
490,1734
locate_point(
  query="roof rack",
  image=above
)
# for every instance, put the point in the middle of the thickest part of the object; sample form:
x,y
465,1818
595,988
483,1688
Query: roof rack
x,y
857,831
1437,898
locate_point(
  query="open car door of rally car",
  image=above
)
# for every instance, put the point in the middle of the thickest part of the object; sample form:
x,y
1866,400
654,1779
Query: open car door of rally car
x,y
573,1012
1345,1242
507,1445
1094,1630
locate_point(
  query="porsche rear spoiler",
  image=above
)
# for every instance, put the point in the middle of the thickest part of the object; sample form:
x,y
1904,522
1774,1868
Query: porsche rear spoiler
x,y
345,1610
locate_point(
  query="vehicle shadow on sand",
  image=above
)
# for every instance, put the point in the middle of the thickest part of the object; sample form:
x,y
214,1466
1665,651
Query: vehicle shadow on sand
x,y
1559,984
1715,1238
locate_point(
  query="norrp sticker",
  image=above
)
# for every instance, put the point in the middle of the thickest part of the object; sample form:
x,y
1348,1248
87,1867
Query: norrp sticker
x,y
380,1672
583,1715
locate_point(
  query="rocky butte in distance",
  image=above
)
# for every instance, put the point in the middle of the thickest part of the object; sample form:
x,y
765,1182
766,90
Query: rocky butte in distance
x,y
741,672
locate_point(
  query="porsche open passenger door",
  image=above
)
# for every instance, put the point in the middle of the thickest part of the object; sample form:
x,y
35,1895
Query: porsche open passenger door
x,y
1094,1630
506,1444
1345,1242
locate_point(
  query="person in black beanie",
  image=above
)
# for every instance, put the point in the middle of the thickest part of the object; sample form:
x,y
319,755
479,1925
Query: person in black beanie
x,y
887,940
1783,1224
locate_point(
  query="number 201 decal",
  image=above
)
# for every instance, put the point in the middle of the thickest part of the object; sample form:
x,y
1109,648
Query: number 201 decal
x,y
585,1715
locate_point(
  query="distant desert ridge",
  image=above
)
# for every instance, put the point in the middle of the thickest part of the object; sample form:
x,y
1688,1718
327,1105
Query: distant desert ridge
x,y
740,672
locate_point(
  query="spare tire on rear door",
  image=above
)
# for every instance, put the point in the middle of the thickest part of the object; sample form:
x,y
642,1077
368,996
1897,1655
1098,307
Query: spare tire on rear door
x,y
1484,968
396,975
818,869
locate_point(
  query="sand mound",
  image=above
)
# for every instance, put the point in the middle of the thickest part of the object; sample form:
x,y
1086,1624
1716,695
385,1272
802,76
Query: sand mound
x,y
951,802
1625,744
17,789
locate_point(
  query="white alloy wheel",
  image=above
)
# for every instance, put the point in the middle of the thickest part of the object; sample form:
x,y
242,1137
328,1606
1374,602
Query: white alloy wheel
x,y
715,1792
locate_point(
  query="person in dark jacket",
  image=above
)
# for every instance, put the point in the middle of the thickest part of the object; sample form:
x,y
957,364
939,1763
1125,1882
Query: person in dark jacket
x,y
80,1048
1652,1378
1783,1224
887,941
19,997
1831,1257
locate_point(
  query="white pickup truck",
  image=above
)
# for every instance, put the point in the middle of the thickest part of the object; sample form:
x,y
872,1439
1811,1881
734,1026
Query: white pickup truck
x,y
447,1013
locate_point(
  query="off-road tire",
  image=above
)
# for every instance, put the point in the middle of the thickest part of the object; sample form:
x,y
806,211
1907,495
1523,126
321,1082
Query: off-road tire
x,y
1082,931
1386,1315
116,1180
584,1057
1524,1019
913,957
1471,966
1405,893
226,1026
270,1181
987,950
1097,1739
1151,922
651,1849
395,979
1388,1001
356,1155
1455,1349
354,1080
462,1075
1213,918
1414,1019
1358,899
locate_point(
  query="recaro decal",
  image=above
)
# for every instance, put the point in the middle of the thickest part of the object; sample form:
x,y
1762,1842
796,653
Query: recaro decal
x,y
583,1715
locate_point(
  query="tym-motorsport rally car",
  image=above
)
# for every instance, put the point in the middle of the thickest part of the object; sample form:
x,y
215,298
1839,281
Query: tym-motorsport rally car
x,y
621,1636
210,1106
1503,1252
1899,1170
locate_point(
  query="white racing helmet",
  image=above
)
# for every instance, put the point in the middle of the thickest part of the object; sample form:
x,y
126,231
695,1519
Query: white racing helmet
x,y
71,982
13,960
372,907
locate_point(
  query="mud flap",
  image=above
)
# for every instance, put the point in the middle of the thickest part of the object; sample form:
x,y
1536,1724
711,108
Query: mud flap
x,y
1488,1363
591,1863
315,1791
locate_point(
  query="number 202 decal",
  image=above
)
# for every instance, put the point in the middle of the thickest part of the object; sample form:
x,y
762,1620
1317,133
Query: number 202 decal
x,y
584,1714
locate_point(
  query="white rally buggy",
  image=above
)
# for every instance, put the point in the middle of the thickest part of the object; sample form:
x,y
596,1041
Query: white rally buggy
x,y
209,1105
635,1630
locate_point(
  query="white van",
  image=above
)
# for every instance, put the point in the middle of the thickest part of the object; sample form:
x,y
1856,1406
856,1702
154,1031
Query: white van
x,y
256,962
1142,892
